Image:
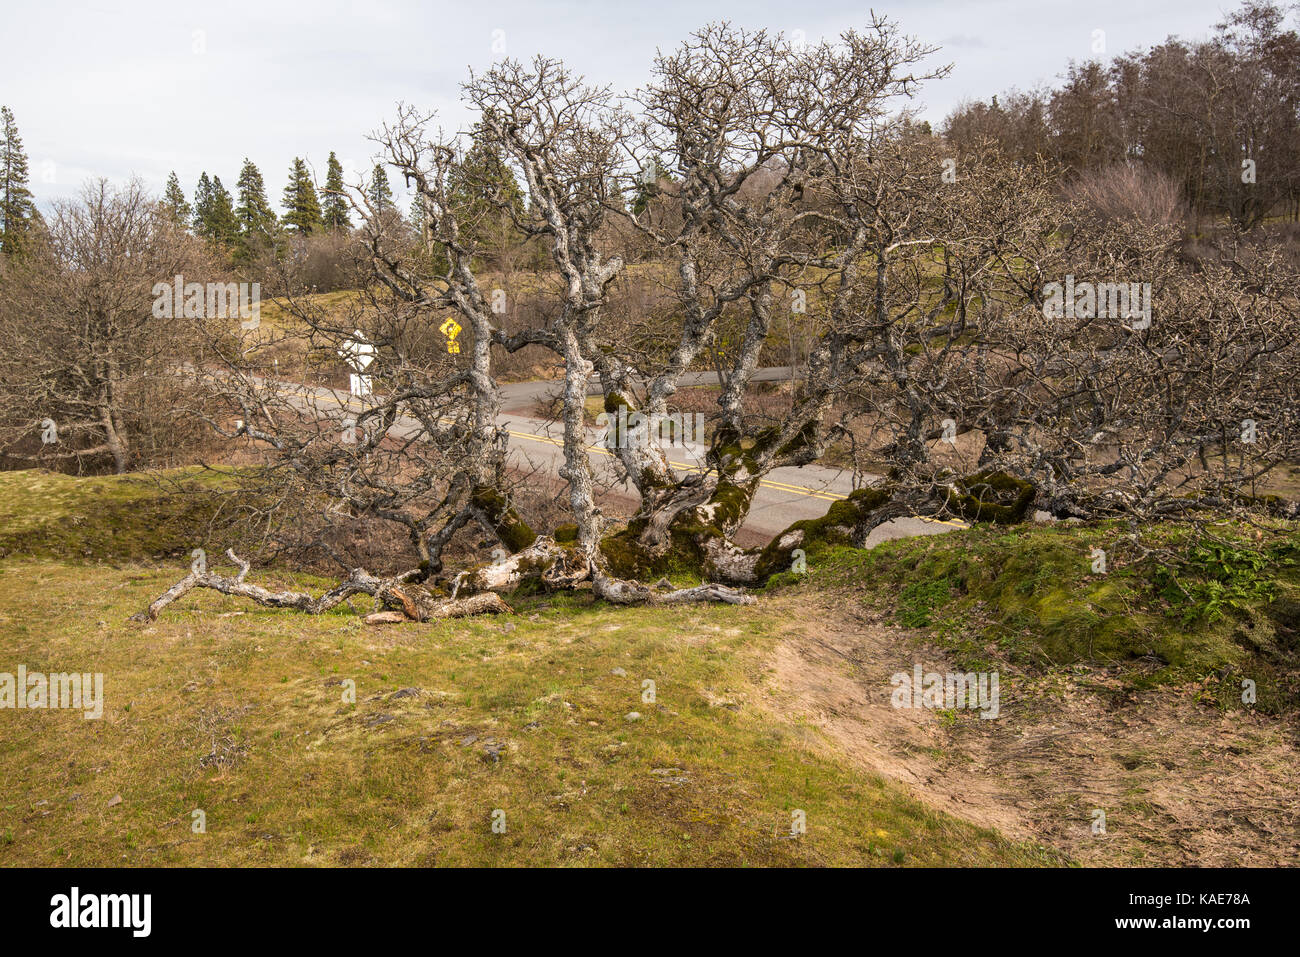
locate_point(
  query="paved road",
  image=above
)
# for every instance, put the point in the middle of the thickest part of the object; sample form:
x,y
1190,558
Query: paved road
x,y
785,496
521,395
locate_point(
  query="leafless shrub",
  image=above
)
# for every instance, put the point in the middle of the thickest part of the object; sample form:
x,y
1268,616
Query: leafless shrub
x,y
1127,191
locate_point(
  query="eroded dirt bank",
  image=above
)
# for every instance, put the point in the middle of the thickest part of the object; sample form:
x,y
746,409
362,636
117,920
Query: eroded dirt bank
x,y
1180,782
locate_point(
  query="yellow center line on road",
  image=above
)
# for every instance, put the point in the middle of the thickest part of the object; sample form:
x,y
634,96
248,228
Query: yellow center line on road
x,y
823,494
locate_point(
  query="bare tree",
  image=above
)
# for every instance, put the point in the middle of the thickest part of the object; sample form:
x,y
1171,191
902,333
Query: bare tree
x,y
90,371
773,182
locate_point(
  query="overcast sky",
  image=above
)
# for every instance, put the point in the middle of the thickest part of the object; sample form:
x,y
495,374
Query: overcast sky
x,y
110,90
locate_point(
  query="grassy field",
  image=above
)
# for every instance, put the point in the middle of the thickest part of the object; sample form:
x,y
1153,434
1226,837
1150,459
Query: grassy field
x,y
541,721
241,713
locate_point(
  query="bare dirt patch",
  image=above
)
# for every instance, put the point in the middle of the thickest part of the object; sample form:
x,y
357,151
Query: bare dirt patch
x,y
1180,782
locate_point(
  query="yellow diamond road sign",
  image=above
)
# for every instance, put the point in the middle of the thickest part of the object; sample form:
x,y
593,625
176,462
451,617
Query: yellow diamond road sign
x,y
451,329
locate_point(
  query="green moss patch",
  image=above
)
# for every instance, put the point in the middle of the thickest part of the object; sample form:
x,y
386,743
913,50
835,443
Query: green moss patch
x,y
992,497
112,518
1030,595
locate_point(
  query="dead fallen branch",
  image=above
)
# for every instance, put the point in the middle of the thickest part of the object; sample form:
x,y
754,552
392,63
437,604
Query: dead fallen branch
x,y
486,603
623,592
402,599
413,602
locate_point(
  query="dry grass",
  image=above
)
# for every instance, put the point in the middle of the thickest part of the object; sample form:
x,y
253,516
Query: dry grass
x,y
249,715
240,713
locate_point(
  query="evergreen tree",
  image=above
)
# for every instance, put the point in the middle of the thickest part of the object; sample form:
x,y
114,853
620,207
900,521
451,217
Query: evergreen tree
x,y
202,209
17,210
258,224
216,219
225,225
336,206
257,220
302,209
418,216
379,193
174,202
487,197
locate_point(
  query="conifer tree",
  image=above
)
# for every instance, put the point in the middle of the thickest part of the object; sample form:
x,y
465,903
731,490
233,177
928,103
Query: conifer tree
x,y
256,218
17,210
202,209
488,197
223,226
258,224
214,212
379,192
335,206
302,209
174,202
418,218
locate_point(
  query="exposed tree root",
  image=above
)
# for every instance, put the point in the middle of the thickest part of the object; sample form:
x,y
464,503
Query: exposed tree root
x,y
701,545
992,496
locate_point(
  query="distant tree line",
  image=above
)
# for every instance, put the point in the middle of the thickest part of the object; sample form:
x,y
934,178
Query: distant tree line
x,y
246,229
246,222
310,233
1220,118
